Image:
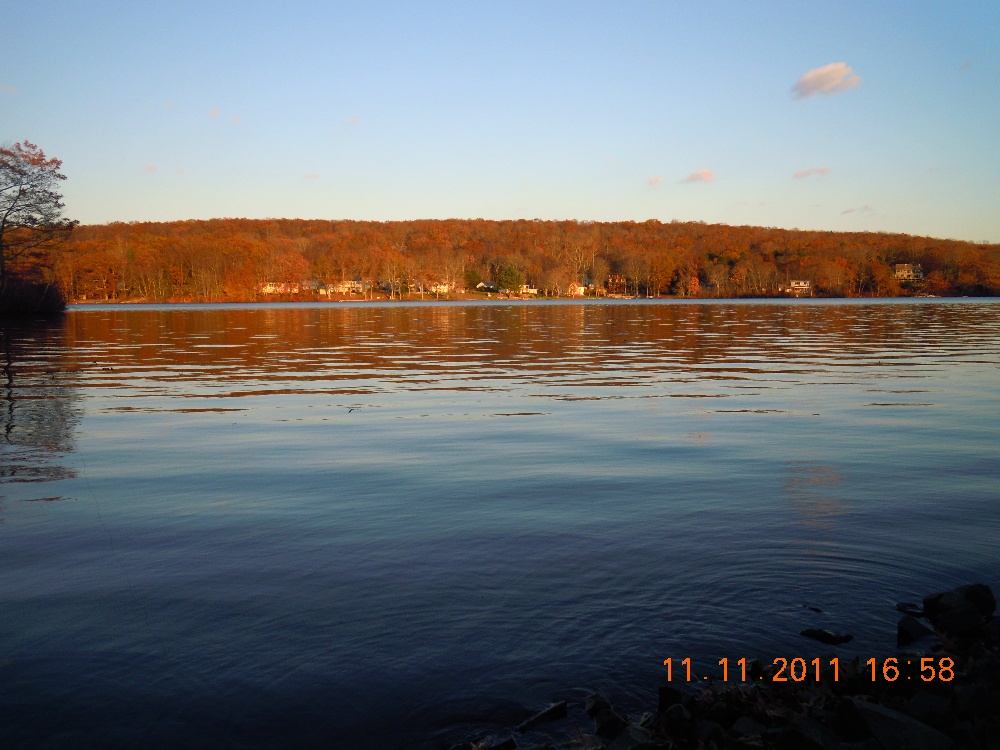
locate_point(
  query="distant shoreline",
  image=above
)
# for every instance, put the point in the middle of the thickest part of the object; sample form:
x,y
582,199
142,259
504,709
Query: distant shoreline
x,y
478,298
288,259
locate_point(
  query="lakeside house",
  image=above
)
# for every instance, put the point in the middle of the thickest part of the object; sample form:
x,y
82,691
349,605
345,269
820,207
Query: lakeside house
x,y
527,289
280,287
576,289
909,272
617,284
350,286
797,288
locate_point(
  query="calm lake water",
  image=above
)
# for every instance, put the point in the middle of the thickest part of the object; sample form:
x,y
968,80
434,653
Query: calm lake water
x,y
382,526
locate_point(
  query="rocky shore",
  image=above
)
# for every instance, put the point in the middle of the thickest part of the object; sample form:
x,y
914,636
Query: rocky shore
x,y
941,691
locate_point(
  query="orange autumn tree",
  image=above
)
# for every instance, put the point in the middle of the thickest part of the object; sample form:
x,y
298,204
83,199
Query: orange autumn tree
x,y
31,221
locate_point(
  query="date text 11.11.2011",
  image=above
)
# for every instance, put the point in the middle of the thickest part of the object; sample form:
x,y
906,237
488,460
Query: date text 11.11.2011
x,y
798,669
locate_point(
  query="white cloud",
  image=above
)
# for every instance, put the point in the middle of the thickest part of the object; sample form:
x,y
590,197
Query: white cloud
x,y
654,181
812,171
826,80
702,175
150,168
865,209
353,120
7,89
214,112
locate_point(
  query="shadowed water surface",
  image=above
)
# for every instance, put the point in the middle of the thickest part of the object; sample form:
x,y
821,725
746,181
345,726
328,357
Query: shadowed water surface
x,y
392,526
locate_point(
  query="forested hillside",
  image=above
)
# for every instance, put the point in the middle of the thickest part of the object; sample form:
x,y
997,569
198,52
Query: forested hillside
x,y
232,259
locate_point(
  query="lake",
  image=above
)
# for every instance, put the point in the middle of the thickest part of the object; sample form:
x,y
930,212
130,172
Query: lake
x,y
392,525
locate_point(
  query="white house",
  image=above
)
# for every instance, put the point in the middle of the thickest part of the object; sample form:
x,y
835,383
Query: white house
x,y
909,272
797,288
279,287
354,286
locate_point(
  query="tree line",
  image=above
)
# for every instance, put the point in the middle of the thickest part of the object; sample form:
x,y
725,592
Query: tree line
x,y
45,258
232,259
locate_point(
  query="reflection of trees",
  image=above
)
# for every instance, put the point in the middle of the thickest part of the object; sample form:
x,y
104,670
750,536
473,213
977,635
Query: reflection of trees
x,y
38,414
367,341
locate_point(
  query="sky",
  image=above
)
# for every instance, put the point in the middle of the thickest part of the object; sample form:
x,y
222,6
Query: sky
x,y
846,116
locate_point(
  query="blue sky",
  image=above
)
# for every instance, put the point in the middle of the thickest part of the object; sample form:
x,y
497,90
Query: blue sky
x,y
843,116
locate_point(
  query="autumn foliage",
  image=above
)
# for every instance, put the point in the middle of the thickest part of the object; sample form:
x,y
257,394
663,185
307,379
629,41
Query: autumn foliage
x,y
31,229
231,259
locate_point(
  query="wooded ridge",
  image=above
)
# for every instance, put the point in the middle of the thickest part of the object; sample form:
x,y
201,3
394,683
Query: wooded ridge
x,y
246,259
